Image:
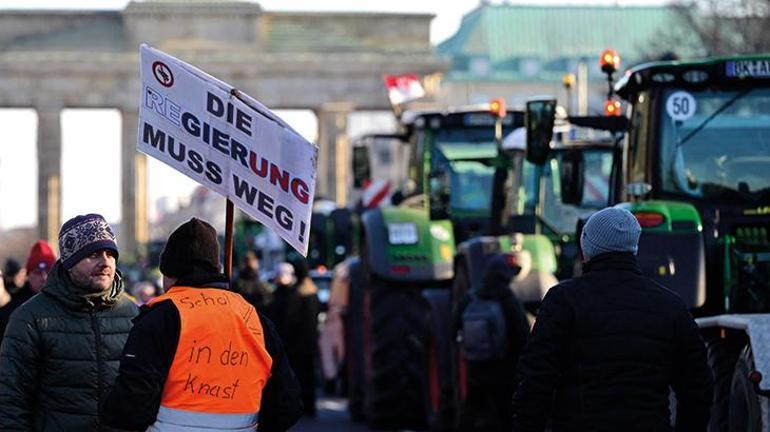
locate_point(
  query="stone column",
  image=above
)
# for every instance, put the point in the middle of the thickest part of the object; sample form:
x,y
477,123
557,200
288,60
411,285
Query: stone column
x,y
333,149
49,172
134,226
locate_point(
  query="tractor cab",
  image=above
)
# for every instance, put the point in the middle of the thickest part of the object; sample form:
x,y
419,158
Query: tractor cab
x,y
700,139
453,156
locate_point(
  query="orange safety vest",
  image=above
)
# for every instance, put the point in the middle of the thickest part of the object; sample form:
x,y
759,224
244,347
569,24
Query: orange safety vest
x,y
221,363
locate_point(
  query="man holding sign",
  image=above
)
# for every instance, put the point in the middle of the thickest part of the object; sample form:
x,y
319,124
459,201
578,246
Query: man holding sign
x,y
200,357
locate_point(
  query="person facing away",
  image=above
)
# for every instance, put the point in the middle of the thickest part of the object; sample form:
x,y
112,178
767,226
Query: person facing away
x,y
295,313
490,382
607,346
39,262
199,357
249,285
14,275
61,349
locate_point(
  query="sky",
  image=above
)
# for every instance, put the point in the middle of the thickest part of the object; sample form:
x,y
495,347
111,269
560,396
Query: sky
x,y
83,179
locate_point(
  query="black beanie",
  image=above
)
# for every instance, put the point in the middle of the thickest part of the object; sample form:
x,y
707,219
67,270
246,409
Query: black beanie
x,y
191,249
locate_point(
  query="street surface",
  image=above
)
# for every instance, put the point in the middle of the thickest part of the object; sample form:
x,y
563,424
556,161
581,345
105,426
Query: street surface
x,y
332,417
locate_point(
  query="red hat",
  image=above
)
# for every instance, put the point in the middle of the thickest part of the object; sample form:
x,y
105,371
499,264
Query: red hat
x,y
41,256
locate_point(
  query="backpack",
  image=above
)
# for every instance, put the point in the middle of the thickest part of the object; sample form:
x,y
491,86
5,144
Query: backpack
x,y
483,334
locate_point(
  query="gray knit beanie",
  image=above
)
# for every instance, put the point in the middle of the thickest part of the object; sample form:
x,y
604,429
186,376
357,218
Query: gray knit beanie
x,y
610,230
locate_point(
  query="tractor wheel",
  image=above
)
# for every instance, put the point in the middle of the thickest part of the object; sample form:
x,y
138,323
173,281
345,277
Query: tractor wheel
x,y
460,287
439,391
722,355
395,395
748,410
354,352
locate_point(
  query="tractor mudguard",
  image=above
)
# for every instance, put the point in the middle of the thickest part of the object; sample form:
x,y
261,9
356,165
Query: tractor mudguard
x,y
672,253
375,242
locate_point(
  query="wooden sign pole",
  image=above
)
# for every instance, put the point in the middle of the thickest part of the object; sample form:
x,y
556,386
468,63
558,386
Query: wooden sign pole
x,y
229,240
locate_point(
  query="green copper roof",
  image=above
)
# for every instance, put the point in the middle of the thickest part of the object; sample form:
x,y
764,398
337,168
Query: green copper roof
x,y
508,34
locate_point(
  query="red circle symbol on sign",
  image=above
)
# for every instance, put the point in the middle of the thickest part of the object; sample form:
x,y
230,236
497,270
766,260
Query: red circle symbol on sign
x,y
163,74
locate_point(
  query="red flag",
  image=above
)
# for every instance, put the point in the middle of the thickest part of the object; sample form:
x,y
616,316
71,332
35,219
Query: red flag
x,y
403,88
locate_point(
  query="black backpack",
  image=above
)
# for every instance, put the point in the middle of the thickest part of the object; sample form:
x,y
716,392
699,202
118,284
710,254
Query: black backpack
x,y
483,335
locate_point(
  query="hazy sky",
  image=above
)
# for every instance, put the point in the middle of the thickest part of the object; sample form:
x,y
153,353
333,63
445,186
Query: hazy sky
x,y
90,180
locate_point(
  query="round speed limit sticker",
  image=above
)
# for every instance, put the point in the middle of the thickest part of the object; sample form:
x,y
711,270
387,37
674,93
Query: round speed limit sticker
x,y
681,105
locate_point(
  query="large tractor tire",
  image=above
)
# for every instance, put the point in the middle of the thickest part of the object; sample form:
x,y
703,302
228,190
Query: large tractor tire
x,y
748,410
722,355
395,396
354,344
460,287
439,395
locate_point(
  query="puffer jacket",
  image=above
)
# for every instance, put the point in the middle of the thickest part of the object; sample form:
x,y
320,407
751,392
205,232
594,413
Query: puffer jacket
x,y
604,351
60,356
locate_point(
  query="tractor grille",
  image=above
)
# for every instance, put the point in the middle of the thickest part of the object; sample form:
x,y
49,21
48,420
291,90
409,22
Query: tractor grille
x,y
751,268
409,257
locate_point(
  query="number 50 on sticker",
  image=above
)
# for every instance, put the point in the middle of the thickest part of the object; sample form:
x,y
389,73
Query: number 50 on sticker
x,y
681,105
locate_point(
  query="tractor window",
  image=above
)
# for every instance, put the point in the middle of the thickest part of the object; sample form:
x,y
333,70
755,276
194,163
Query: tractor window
x,y
546,193
466,155
640,122
715,145
471,184
415,165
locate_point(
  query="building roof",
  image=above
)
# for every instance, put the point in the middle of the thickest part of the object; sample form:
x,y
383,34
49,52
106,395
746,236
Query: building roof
x,y
504,34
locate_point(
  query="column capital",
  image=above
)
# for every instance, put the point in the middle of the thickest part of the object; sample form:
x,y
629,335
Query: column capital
x,y
47,106
339,107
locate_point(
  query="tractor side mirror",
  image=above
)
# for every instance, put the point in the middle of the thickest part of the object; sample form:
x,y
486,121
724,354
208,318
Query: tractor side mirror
x,y
538,120
361,170
439,194
572,177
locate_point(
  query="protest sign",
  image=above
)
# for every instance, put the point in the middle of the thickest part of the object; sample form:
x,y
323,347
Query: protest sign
x,y
228,142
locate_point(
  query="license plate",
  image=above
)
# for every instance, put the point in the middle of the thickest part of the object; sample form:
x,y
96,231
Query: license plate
x,y
748,68
405,233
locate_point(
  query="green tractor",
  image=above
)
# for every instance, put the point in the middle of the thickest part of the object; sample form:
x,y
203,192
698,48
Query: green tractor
x,y
694,168
465,187
398,313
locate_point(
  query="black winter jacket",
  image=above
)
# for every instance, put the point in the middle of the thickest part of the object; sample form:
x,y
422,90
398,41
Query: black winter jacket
x,y
60,356
135,399
19,298
604,351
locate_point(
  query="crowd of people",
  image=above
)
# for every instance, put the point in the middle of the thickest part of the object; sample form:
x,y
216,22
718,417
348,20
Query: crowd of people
x,y
86,349
197,352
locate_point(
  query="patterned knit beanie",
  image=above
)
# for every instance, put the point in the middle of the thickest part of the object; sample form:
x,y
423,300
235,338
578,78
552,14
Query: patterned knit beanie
x,y
610,230
83,235
191,249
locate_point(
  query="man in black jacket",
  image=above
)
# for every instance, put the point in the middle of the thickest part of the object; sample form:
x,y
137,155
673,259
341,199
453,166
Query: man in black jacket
x,y
61,349
197,327
607,346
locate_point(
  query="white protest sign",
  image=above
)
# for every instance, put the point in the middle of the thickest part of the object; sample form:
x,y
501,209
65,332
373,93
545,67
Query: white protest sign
x,y
228,142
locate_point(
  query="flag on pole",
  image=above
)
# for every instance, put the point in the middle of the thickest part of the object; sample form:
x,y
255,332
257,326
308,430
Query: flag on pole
x,y
403,88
